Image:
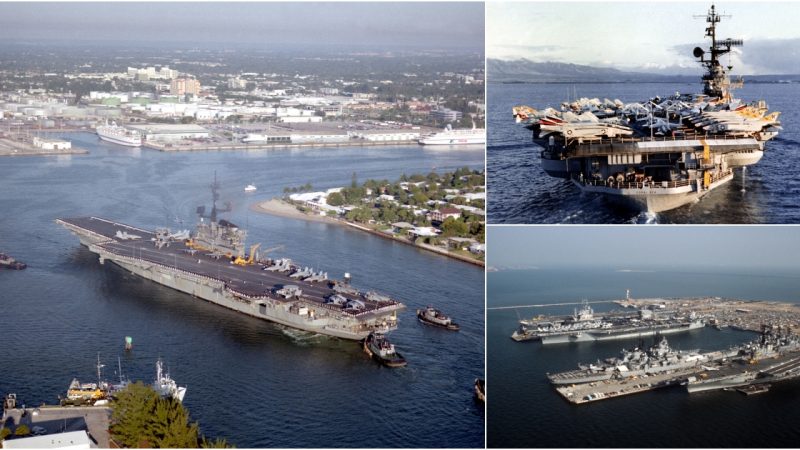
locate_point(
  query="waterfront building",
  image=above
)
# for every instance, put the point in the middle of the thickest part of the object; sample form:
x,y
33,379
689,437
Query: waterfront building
x,y
51,144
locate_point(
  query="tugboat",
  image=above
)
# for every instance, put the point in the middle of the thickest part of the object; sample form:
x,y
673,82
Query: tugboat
x,y
378,347
480,390
433,316
11,263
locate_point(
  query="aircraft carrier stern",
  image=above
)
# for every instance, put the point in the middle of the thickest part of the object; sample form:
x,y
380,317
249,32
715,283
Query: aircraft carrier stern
x,y
274,290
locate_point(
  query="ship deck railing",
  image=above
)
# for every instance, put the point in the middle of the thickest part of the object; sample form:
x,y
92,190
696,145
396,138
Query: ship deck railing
x,y
648,184
674,138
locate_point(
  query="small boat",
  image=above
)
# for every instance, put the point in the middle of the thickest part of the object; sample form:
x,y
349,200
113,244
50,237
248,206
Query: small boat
x,y
11,263
166,386
88,393
480,389
250,188
378,347
433,316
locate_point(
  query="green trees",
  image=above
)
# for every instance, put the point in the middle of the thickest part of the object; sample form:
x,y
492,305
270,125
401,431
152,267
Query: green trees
x,y
454,227
335,199
141,418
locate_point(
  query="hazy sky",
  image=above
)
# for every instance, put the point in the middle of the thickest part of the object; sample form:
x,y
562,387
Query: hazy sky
x,y
635,35
272,23
646,247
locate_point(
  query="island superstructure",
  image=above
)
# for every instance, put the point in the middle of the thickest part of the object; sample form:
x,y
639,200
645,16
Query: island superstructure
x,y
211,264
661,153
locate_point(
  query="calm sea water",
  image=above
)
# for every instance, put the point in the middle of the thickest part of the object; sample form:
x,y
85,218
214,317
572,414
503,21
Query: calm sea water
x,y
255,383
525,411
521,192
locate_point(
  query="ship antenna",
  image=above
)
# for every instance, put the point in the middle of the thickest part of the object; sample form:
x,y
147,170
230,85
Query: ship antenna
x,y
716,82
214,198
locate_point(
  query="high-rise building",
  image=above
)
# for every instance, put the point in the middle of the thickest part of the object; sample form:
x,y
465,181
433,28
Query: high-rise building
x,y
184,85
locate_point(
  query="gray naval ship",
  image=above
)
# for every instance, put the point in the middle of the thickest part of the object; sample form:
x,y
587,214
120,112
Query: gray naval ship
x,y
638,361
773,356
211,264
584,326
661,153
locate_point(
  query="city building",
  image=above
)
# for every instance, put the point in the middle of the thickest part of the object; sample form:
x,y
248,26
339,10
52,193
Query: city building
x,y
184,85
150,73
446,114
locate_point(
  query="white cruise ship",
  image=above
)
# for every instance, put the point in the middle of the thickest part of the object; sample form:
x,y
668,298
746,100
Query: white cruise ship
x,y
119,135
455,137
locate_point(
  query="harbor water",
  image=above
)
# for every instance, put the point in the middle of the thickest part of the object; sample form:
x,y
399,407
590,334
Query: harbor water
x,y
521,192
252,382
525,411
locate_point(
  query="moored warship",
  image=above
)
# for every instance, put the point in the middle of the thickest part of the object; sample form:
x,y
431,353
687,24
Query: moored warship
x,y
773,356
661,153
659,358
211,264
584,326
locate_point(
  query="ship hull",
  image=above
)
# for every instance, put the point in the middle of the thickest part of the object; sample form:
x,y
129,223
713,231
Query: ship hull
x,y
205,287
116,140
603,335
454,141
654,199
714,385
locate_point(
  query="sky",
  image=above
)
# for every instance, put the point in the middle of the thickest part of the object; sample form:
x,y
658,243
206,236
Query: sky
x,y
644,36
646,247
434,25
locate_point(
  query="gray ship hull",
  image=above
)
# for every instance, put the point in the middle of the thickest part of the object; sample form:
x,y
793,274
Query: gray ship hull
x,y
609,335
302,313
721,383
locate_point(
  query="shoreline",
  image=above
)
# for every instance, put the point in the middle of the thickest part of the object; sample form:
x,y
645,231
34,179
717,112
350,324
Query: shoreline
x,y
282,208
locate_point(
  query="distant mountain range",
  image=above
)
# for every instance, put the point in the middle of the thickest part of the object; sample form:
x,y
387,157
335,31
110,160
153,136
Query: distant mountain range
x,y
526,71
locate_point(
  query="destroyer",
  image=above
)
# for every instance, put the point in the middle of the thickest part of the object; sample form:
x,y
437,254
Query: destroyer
x,y
211,264
661,153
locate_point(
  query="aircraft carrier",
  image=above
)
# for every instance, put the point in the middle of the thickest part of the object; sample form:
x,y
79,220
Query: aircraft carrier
x,y
583,326
211,264
660,153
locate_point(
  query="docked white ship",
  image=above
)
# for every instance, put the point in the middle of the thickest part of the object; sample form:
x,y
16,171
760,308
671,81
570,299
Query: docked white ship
x,y
119,135
166,386
455,137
